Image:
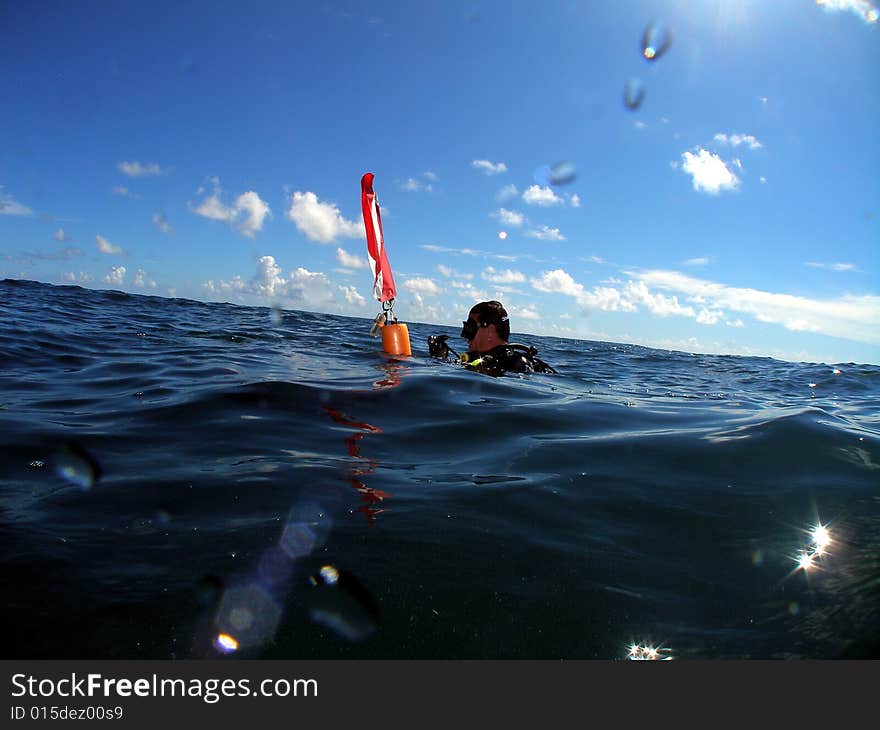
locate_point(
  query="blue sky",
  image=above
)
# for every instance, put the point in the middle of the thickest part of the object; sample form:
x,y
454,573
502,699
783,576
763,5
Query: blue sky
x,y
214,151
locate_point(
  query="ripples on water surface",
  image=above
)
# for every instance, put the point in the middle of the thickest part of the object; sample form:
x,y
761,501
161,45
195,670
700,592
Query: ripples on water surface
x,y
182,479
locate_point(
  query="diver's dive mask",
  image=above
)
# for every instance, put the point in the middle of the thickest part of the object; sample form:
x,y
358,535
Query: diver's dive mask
x,y
470,328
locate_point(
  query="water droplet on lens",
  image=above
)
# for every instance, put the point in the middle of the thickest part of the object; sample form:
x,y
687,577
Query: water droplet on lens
x,y
633,94
655,41
562,173
76,465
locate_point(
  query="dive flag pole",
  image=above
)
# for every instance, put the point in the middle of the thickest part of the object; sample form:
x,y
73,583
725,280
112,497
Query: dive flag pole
x,y
395,335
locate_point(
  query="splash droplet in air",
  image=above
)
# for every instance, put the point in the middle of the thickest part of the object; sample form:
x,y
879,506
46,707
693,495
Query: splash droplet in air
x,y
655,41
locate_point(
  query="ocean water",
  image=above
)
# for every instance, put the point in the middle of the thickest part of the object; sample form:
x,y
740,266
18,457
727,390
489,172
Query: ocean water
x,y
189,480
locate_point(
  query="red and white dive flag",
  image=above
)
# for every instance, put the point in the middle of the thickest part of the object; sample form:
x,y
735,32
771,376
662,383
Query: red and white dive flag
x,y
383,282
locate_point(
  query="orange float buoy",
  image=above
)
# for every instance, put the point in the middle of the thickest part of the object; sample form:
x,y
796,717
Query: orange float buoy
x,y
395,339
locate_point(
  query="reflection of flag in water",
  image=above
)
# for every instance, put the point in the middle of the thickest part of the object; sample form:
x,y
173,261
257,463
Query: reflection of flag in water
x,y
383,282
371,496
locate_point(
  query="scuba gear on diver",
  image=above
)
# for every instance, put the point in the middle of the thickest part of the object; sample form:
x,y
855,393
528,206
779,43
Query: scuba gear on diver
x,y
438,347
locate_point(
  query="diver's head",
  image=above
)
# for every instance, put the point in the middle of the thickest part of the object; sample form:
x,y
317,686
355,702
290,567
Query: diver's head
x,y
487,326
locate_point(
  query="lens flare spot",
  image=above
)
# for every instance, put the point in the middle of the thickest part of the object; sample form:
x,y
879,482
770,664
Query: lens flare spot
x,y
655,41
329,574
647,653
821,538
306,529
274,566
74,464
225,643
249,614
805,560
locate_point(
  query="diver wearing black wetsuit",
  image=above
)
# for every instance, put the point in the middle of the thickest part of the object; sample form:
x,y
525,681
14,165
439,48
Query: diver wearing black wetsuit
x,y
486,330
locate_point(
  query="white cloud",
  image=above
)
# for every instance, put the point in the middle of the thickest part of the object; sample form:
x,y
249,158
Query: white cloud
x,y
640,125
236,284
351,261
849,317
141,280
506,193
706,316
416,186
351,296
213,209
545,233
247,213
763,180
637,292
422,285
104,246
735,140
708,172
310,287
866,10
124,192
508,276
306,288
700,261
136,169
10,206
606,299
267,280
543,196
450,273
161,223
428,175
490,168
574,200
321,222
60,235
558,281
255,211
833,267
115,276
81,277
509,217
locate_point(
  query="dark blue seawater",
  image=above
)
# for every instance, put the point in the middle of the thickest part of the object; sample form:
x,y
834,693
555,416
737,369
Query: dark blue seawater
x,y
178,477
